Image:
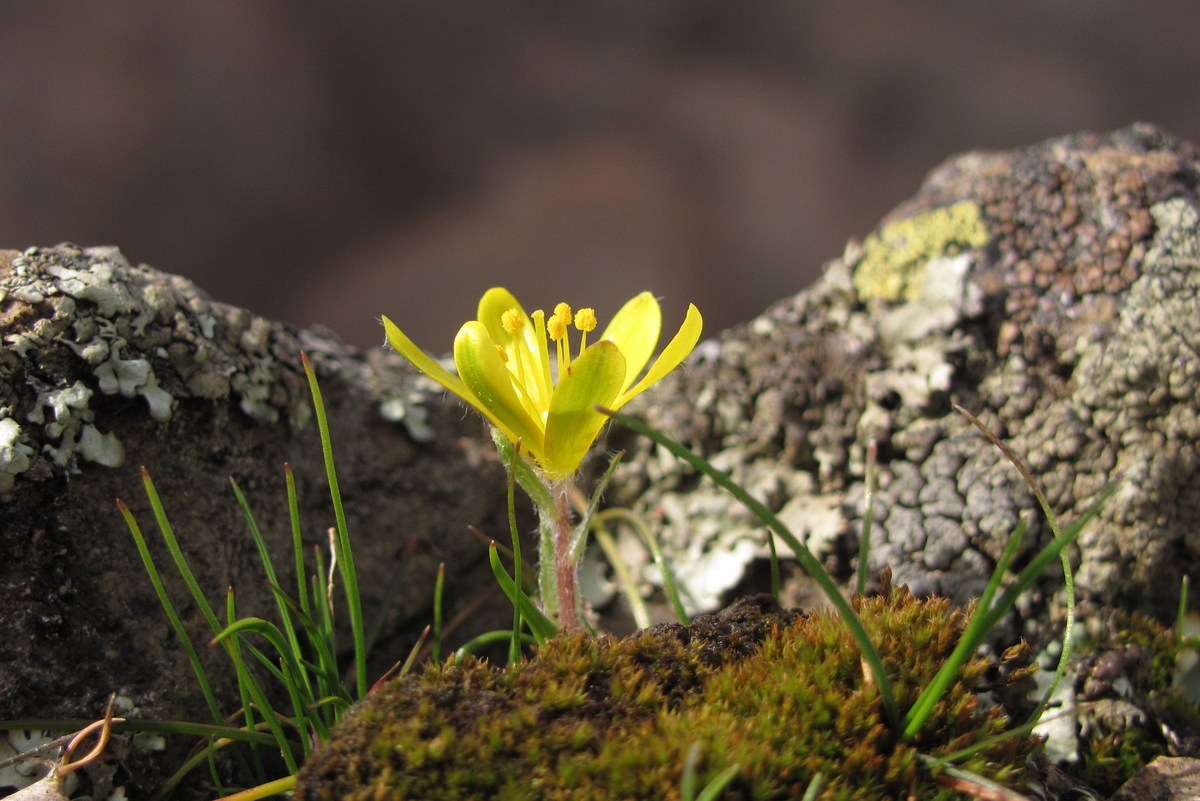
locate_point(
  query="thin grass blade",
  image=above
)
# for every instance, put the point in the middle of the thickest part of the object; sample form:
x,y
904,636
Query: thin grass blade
x,y
283,605
540,625
987,618
579,540
297,540
864,540
670,588
637,607
172,616
345,555
168,534
810,563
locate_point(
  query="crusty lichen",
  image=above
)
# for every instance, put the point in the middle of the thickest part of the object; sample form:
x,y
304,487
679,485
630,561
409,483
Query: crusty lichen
x,y
79,324
1127,705
14,452
782,696
895,258
1071,334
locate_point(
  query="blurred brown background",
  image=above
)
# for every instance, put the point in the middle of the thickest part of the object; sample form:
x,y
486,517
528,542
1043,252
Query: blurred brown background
x,y
328,162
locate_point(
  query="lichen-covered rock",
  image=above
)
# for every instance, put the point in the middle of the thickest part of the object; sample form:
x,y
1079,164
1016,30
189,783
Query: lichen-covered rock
x,y
107,366
1055,292
782,696
1132,700
1165,779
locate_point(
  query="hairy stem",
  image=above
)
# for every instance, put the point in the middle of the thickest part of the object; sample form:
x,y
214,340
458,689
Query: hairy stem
x,y
564,568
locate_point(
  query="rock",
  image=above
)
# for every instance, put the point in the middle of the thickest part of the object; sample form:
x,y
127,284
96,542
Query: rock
x,y
1054,291
1164,779
106,367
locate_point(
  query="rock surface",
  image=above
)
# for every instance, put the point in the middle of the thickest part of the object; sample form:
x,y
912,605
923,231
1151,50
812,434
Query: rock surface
x,y
1164,779
106,367
1053,291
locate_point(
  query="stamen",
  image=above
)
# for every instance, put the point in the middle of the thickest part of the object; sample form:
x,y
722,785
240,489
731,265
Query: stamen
x,y
564,311
585,321
557,328
546,385
512,320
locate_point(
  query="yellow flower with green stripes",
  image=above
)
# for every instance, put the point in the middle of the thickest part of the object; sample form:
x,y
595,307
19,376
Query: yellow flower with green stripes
x,y
545,396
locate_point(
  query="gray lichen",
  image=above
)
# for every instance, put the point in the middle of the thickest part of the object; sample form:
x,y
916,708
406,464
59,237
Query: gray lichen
x,y
14,452
108,366
1070,329
133,333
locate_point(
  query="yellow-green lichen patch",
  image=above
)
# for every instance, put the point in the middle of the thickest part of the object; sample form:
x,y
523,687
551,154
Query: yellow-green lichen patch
x,y
894,258
782,696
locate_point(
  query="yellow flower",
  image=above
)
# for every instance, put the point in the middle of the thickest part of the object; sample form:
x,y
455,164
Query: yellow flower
x,y
504,370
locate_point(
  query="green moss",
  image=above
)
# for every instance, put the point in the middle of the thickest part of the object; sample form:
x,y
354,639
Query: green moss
x,y
894,259
1132,712
781,695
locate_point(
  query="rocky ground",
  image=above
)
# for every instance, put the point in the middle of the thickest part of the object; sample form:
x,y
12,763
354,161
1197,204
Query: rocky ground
x,y
1051,290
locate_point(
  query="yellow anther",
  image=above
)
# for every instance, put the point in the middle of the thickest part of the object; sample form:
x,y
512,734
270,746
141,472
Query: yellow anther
x,y
585,320
512,320
556,328
563,311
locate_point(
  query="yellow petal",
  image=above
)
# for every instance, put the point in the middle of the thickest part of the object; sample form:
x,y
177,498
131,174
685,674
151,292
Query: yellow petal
x,y
423,362
673,354
634,329
594,378
490,385
492,306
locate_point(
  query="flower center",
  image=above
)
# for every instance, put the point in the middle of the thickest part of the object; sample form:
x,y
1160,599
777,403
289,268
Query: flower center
x,y
558,329
527,356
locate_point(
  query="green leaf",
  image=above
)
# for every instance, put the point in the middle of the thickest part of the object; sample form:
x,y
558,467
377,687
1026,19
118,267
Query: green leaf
x,y
541,626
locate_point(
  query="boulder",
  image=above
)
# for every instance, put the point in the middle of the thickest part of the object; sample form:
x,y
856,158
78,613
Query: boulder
x,y
107,367
1054,291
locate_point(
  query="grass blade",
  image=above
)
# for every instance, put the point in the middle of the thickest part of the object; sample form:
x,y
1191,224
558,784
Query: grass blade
x,y
775,582
281,605
1068,639
987,618
581,530
439,586
172,616
809,562
670,588
297,541
687,786
487,638
514,646
540,625
864,541
637,607
345,555
168,535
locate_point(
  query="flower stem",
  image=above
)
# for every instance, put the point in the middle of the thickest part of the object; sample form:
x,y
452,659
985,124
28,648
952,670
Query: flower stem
x,y
564,568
